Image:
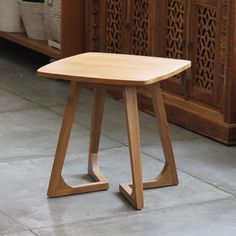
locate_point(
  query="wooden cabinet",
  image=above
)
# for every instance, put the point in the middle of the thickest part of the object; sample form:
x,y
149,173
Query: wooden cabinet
x,y
72,32
194,31
204,98
125,26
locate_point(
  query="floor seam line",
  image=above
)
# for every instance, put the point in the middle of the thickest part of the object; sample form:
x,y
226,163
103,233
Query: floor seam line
x,y
196,177
31,231
144,211
41,157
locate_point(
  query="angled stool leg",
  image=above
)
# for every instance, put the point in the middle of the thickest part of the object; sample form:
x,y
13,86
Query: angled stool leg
x,y
133,192
168,175
96,123
57,185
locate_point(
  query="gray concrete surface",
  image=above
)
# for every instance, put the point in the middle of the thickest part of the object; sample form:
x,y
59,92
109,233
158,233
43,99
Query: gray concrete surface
x,y
31,108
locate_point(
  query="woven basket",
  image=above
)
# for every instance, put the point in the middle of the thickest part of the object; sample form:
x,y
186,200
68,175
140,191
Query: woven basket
x,y
10,17
32,14
52,16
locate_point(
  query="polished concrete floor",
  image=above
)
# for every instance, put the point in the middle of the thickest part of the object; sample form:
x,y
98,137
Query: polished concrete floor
x,y
31,108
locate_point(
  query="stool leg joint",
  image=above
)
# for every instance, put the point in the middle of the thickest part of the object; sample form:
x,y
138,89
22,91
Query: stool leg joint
x,y
63,189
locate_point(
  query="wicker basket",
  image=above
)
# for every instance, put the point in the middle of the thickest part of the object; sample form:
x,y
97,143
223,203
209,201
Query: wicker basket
x,y
32,14
10,17
52,11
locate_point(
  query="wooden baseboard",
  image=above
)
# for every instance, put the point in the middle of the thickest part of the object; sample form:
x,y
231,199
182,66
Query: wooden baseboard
x,y
189,115
194,117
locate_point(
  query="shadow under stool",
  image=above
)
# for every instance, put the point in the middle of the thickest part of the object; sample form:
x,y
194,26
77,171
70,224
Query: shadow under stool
x,y
126,73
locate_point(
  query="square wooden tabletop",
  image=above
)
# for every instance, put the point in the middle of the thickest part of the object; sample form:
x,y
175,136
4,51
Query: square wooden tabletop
x,y
114,69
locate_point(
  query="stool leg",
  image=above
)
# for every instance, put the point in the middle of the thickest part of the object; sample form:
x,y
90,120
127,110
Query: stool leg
x,y
168,175
96,123
57,185
133,192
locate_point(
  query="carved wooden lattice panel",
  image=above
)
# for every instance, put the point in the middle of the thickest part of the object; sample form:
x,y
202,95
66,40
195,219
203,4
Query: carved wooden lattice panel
x,y
94,39
140,36
205,48
175,28
114,26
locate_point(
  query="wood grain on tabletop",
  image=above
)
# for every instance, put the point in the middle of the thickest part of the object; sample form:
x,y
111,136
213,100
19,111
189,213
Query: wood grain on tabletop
x,y
117,69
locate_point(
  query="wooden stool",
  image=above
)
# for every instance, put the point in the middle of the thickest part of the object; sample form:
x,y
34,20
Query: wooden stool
x,y
114,71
